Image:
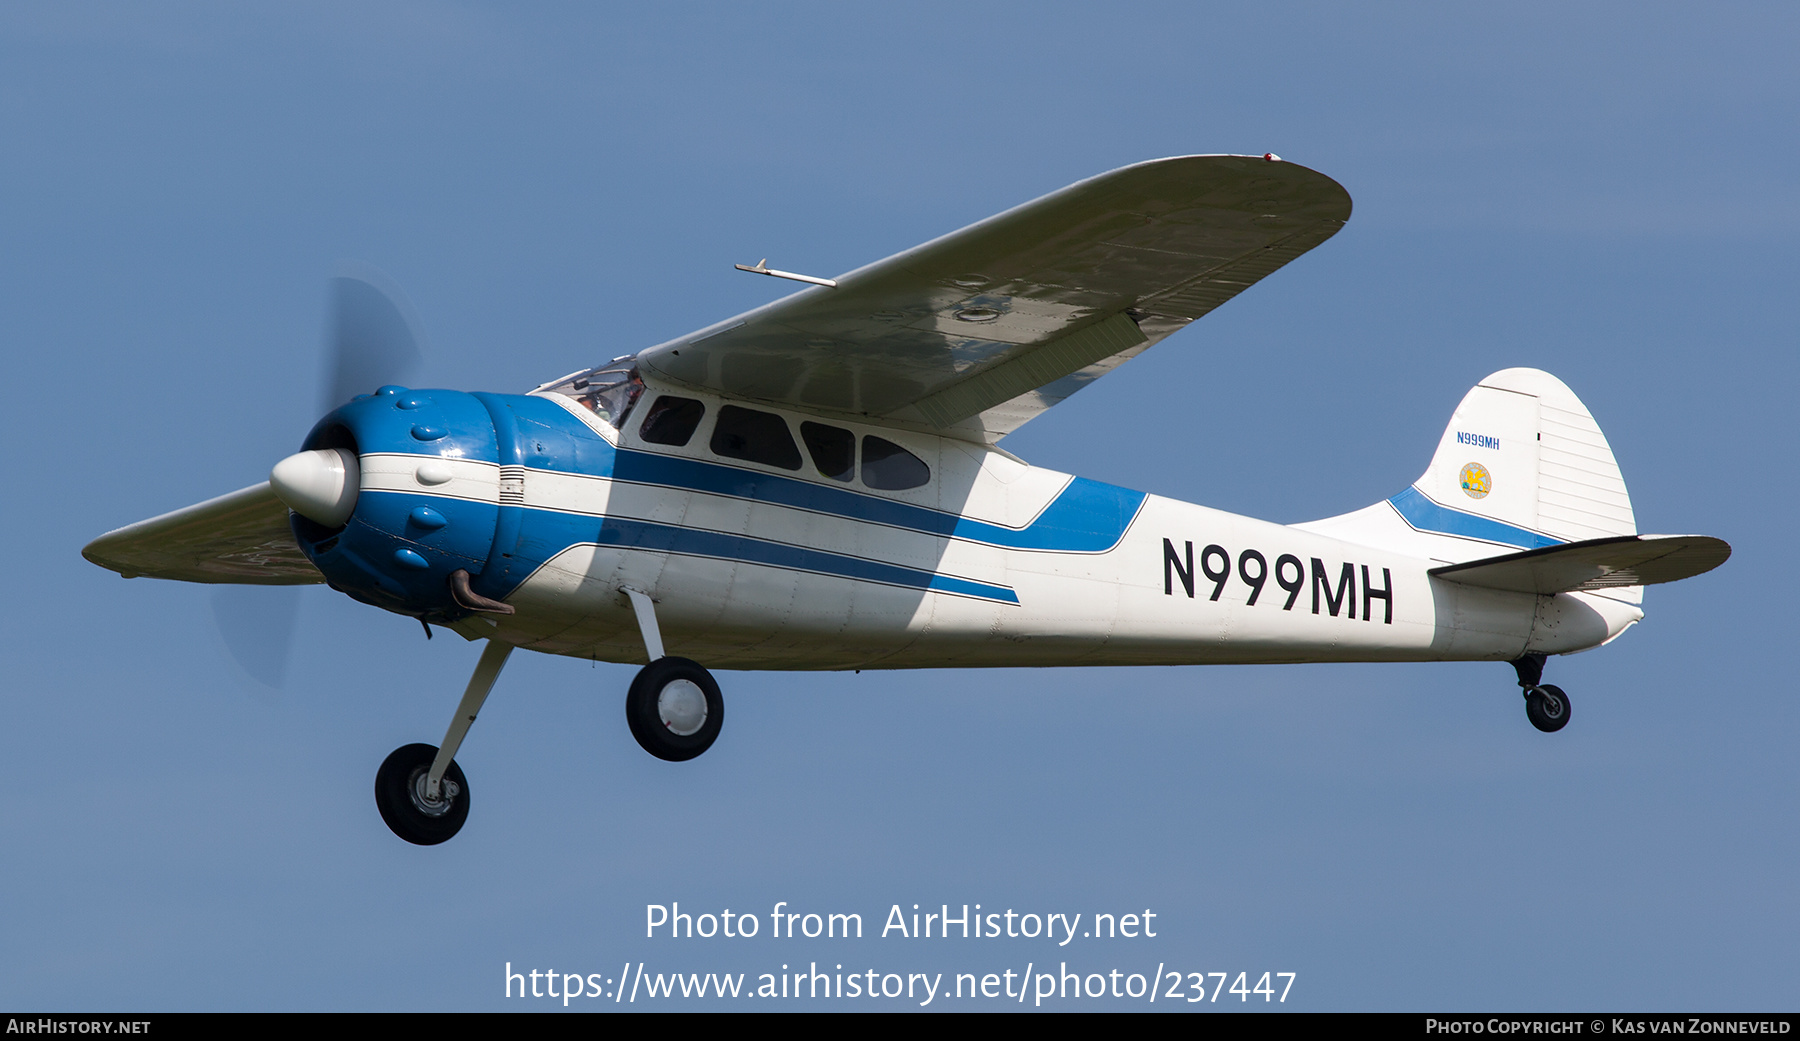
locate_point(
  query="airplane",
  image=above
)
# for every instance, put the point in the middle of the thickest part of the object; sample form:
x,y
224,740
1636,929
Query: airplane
x,y
818,483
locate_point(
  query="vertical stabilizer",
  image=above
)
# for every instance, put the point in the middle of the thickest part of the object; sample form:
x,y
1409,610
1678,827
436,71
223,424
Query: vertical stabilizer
x,y
1522,464
1524,452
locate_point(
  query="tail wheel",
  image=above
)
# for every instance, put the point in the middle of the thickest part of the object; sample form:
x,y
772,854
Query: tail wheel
x,y
1547,707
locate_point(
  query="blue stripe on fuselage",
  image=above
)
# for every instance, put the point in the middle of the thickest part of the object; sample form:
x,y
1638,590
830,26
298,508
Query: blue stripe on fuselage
x,y
539,434
668,538
547,532
1428,516
1085,517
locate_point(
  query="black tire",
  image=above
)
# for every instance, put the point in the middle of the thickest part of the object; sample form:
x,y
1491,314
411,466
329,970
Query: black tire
x,y
652,726
400,796
1547,707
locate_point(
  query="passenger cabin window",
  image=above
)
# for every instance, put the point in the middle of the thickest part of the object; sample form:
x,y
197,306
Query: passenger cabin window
x,y
760,437
833,450
672,420
888,467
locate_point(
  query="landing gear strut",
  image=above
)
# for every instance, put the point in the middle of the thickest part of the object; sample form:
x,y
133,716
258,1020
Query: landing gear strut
x,y
420,791
673,708
1545,705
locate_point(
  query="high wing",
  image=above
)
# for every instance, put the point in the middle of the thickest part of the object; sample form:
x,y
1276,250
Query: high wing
x,y
242,538
974,333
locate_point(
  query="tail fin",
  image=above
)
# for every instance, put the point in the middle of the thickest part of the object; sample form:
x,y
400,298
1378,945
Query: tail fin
x,y
1522,450
1522,464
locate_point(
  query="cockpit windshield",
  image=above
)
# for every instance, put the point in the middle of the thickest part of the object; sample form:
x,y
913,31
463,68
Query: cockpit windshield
x,y
608,391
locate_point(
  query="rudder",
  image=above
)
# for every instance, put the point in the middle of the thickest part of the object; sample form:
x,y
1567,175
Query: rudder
x,y
1522,450
1522,464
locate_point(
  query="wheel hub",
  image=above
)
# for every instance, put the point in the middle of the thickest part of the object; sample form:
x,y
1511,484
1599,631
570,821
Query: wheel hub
x,y
681,705
419,788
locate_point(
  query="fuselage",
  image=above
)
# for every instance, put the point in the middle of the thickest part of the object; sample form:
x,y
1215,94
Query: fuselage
x,y
802,550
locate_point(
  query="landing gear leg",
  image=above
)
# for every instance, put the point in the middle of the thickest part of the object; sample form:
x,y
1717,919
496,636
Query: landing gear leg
x,y
1545,705
420,791
673,708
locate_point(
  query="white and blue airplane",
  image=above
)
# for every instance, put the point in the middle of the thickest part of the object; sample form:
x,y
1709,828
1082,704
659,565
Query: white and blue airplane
x,y
819,484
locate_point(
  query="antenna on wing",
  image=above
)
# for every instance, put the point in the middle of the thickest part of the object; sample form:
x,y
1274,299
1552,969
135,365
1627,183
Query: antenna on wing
x,y
762,267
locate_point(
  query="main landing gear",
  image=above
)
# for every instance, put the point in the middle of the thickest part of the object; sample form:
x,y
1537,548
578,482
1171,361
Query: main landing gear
x,y
673,708
1545,705
420,791
402,793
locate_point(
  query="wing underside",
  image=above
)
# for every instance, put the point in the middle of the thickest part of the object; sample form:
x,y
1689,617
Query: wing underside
x,y
241,538
974,333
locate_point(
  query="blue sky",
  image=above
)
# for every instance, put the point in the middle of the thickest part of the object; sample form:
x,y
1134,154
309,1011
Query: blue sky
x,y
1604,191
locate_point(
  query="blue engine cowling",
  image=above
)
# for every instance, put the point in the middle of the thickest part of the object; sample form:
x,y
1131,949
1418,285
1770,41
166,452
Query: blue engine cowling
x,y
401,544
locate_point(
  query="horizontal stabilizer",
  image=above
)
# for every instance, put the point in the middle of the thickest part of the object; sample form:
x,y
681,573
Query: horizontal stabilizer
x,y
1609,563
241,538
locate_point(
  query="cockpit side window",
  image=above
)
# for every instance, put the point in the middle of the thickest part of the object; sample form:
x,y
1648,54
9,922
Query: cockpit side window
x,y
760,437
608,391
672,420
888,467
833,450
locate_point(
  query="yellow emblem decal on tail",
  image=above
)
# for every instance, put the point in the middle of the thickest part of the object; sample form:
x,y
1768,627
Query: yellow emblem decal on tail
x,y
1476,480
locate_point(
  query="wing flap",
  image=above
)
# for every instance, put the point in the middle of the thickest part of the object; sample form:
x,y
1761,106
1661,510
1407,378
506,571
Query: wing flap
x,y
1594,564
240,538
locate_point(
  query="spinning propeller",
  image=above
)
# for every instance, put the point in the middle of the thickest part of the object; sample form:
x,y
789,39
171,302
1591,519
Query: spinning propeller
x,y
372,337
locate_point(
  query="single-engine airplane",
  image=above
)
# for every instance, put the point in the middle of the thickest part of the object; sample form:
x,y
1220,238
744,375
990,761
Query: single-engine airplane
x,y
818,484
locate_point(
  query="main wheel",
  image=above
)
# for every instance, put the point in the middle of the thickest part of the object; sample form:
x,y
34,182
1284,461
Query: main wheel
x,y
1547,707
674,709
401,797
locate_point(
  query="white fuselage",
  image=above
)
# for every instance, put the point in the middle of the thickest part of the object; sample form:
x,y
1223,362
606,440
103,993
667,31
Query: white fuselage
x,y
1023,567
